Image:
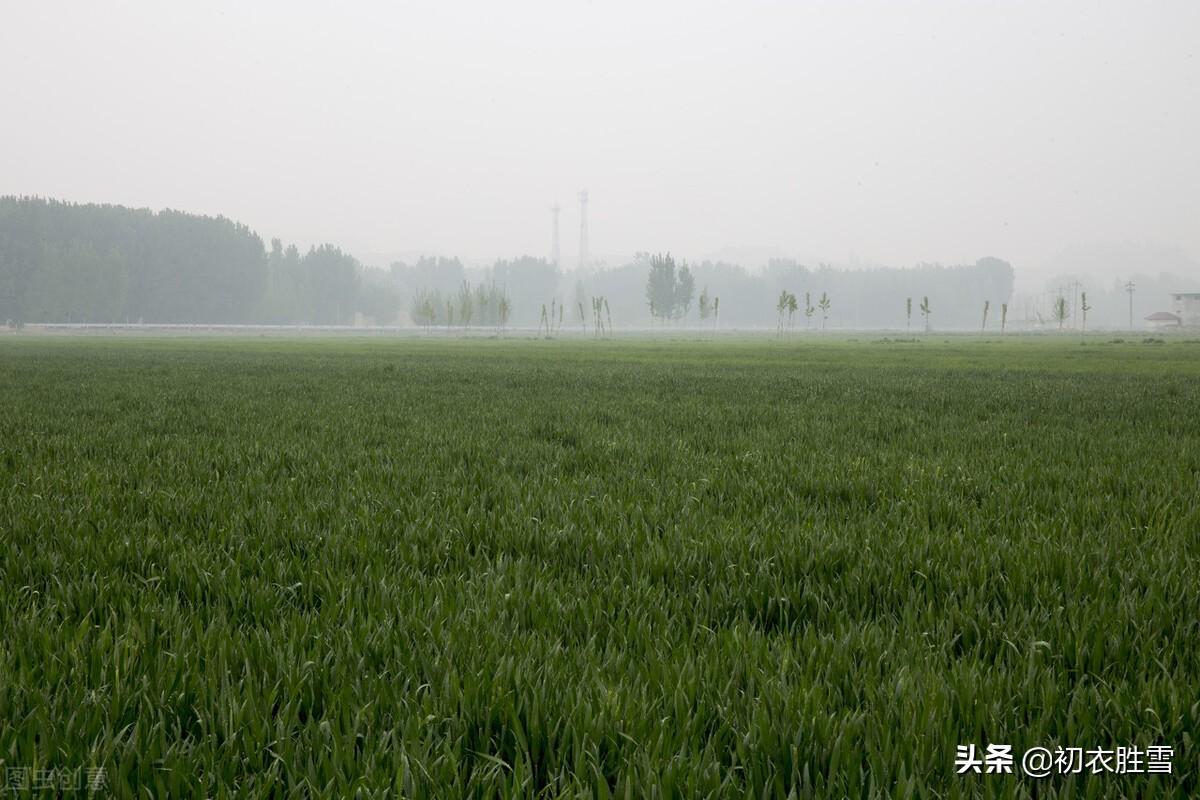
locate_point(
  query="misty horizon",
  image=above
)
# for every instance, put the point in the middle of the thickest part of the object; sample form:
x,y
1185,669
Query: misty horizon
x,y
870,134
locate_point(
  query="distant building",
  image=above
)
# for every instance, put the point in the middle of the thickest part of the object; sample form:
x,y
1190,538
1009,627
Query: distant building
x,y
1187,308
1162,319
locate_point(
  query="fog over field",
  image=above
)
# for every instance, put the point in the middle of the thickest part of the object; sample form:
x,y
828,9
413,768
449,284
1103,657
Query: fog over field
x,y
866,133
703,399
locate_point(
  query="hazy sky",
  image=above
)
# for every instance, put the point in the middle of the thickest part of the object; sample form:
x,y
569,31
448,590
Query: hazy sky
x,y
899,132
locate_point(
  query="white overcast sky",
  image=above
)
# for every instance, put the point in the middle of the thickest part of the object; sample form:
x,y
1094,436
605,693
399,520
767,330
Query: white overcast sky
x,y
896,131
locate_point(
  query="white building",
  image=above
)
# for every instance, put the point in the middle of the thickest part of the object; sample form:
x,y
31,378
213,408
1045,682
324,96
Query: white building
x,y
1186,306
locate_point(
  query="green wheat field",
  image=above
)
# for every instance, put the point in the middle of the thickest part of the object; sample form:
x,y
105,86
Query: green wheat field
x,y
658,568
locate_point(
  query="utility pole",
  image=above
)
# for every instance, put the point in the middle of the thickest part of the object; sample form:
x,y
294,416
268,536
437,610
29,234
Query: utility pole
x,y
583,229
1129,288
554,256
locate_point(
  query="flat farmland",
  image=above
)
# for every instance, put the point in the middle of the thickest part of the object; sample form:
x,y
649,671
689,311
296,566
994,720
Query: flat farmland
x,y
501,568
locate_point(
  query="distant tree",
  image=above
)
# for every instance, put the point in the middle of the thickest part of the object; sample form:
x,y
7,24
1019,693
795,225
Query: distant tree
x,y
466,304
528,282
908,314
660,286
377,299
703,306
484,308
1003,317
780,307
824,305
504,309
92,263
416,309
1060,311
791,309
925,312
328,286
986,305
808,310
716,311
424,308
580,299
685,290
1085,308
669,290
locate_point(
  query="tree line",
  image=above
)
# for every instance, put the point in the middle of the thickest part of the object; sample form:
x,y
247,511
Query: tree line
x,y
64,262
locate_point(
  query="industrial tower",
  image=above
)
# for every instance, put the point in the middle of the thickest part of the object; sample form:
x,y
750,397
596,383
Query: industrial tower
x,y
583,229
554,209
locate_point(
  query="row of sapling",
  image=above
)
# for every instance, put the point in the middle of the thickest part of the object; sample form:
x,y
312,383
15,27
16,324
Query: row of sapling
x,y
789,305
603,321
1062,311
987,304
669,290
485,305
927,313
552,319
601,317
785,304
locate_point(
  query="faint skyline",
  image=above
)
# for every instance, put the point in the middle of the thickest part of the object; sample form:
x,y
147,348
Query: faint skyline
x,y
899,132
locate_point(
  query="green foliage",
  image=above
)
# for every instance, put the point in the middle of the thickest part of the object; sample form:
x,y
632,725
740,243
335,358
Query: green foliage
x,y
601,317
466,304
61,262
485,305
1061,312
511,569
528,282
786,304
669,290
